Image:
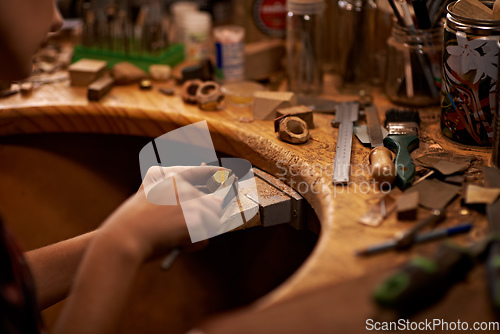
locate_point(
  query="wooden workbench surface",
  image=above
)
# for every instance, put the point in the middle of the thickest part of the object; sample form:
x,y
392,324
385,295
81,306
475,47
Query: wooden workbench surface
x,y
59,108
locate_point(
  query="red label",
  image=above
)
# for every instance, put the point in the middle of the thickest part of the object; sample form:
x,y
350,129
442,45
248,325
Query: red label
x,y
270,16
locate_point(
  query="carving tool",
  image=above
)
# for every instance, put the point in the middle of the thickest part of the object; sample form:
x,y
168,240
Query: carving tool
x,y
420,238
382,167
407,238
402,139
346,114
492,179
423,281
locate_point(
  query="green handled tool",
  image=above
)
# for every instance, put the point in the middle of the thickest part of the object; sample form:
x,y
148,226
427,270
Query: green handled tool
x,y
402,139
423,281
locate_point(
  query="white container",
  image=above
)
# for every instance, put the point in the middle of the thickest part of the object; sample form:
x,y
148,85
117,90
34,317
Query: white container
x,y
197,38
177,12
229,53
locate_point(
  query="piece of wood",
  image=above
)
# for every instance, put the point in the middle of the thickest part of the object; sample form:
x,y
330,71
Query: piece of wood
x,y
263,58
473,9
293,130
86,71
265,104
475,194
26,88
407,205
301,112
126,73
99,88
496,10
435,194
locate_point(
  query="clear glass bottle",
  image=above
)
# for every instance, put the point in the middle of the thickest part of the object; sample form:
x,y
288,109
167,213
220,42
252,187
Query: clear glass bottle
x,y
414,66
356,40
304,44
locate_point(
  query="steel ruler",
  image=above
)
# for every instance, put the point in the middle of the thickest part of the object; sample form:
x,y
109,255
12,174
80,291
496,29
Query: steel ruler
x,y
345,114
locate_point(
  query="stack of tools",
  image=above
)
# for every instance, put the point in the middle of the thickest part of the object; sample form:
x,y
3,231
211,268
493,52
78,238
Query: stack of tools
x,y
115,31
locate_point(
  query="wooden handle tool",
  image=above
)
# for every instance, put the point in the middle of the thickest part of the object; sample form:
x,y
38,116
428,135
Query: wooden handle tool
x,y
382,168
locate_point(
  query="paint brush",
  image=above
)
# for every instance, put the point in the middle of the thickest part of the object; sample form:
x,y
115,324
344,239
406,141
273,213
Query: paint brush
x,y
402,125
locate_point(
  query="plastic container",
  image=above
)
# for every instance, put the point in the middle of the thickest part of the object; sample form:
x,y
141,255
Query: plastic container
x,y
177,12
229,53
241,94
197,39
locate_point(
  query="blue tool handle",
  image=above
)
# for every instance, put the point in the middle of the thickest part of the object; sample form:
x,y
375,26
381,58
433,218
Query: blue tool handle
x,y
493,270
402,145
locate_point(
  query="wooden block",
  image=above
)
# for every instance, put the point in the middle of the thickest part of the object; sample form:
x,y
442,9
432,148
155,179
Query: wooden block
x,y
265,104
99,88
263,58
301,112
26,88
473,9
86,71
475,194
407,205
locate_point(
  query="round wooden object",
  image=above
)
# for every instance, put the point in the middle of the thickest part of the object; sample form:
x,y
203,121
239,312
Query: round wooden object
x,y
293,130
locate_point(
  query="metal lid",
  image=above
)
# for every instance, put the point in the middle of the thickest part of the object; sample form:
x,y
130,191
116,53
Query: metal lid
x,y
305,7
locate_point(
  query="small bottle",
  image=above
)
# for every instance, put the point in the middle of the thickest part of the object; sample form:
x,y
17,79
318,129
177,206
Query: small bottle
x,y
177,12
304,44
229,53
198,26
356,44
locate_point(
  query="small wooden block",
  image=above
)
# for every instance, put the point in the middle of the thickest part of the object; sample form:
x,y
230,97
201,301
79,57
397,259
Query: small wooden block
x,y
475,194
86,71
407,205
99,88
265,104
301,112
26,88
473,9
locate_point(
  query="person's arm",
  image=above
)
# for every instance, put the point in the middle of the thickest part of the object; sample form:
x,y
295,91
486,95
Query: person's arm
x,y
53,267
136,231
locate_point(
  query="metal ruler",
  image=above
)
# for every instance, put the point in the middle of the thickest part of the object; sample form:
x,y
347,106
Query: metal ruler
x,y
346,113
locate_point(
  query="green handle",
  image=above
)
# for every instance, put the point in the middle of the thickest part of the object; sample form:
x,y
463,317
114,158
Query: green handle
x,y
402,145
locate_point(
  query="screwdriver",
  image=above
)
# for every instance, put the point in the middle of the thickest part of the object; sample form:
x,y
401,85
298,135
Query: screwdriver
x,y
423,281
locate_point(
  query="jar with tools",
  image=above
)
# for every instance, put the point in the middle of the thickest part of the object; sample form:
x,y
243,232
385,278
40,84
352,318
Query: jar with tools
x,y
414,66
304,44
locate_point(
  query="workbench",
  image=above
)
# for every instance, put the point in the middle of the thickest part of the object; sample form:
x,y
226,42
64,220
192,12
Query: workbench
x,y
59,108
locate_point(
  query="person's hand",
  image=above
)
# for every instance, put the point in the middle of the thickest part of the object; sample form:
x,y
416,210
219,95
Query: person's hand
x,y
152,229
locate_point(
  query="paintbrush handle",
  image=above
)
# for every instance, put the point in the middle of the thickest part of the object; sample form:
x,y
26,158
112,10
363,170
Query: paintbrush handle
x,y
402,145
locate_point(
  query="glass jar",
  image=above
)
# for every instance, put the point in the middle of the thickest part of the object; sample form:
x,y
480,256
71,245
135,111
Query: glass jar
x,y
356,33
304,45
414,66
